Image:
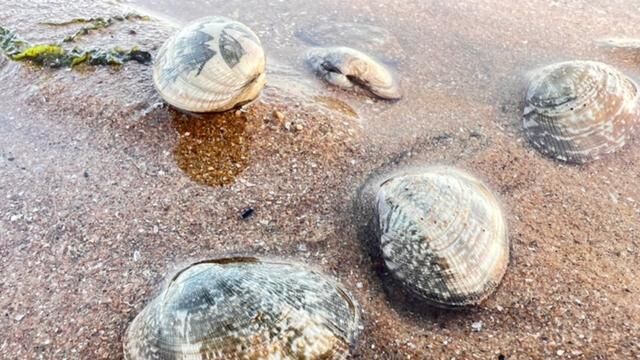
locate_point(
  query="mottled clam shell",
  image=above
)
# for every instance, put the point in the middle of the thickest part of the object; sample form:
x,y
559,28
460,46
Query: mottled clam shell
x,y
245,308
345,67
578,111
212,64
443,235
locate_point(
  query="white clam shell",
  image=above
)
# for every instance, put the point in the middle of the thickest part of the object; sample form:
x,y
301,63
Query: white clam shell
x,y
442,235
345,67
212,64
245,308
578,111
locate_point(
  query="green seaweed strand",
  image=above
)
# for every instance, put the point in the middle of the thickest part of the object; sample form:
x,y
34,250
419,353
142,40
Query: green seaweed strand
x,y
96,23
52,55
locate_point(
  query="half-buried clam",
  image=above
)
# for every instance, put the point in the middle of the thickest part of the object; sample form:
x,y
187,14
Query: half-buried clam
x,y
345,67
245,308
578,111
442,235
212,64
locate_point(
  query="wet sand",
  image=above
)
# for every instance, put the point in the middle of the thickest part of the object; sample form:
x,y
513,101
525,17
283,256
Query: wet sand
x,y
105,191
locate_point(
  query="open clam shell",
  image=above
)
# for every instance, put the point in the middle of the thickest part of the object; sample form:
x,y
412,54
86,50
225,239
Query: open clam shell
x,y
245,308
212,64
442,234
578,111
345,67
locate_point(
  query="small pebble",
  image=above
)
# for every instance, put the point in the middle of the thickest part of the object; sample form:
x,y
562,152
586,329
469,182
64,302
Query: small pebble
x,y
279,115
302,248
476,326
359,285
246,213
136,255
560,352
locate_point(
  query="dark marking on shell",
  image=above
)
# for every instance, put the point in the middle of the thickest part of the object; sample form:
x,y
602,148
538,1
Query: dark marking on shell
x,y
193,53
230,49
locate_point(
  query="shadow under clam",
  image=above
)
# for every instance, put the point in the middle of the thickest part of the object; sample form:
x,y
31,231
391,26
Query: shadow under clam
x,y
212,149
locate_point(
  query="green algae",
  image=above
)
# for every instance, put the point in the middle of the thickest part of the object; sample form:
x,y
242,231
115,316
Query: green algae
x,y
95,23
54,55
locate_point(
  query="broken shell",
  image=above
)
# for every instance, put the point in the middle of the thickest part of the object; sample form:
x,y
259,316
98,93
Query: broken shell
x,y
345,67
442,235
578,111
213,64
245,308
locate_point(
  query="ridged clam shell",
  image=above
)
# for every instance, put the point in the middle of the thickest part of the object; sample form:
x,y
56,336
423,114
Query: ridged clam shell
x,y
245,308
345,67
442,235
578,111
212,64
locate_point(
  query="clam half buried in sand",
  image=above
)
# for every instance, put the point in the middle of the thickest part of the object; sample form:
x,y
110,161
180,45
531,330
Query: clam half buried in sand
x,y
442,234
245,308
345,67
213,64
578,111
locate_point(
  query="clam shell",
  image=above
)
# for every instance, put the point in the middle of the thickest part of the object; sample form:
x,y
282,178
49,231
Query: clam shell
x,y
442,235
213,64
345,67
578,111
245,308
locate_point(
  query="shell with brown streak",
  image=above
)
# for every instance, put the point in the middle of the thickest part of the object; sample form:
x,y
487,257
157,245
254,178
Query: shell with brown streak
x,y
213,64
345,67
578,111
443,235
245,308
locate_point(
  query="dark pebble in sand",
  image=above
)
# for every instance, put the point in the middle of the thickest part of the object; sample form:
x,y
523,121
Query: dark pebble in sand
x,y
247,213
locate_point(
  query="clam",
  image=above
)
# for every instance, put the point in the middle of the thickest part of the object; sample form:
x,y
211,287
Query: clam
x,y
442,234
212,64
345,67
245,308
578,111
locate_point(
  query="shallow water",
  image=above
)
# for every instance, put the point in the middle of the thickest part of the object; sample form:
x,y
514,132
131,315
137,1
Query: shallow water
x,y
107,191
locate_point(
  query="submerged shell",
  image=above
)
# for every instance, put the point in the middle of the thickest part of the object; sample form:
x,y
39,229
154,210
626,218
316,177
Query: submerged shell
x,y
442,235
245,308
368,38
213,64
578,111
345,67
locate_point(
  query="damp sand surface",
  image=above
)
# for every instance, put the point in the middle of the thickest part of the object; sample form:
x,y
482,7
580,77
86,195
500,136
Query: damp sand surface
x,y
105,191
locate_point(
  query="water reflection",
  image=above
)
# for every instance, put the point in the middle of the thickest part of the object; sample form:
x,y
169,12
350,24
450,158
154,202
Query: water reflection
x,y
336,105
212,148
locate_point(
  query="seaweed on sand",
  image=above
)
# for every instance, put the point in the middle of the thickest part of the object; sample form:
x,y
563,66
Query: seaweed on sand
x,y
54,55
95,23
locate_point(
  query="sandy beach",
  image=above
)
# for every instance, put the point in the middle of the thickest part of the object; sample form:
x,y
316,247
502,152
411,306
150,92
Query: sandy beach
x,y
105,190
